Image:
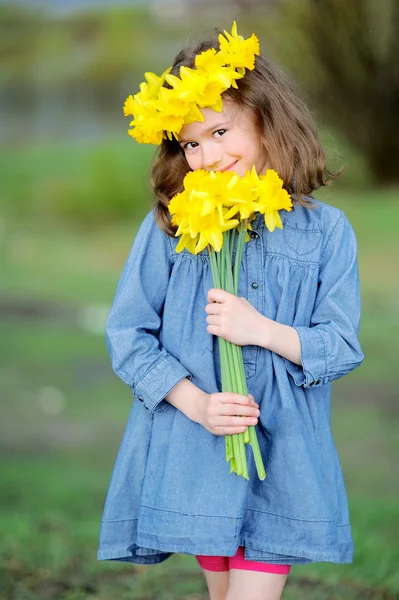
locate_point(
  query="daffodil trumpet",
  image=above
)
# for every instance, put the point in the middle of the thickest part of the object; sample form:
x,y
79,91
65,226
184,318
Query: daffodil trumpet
x,y
208,213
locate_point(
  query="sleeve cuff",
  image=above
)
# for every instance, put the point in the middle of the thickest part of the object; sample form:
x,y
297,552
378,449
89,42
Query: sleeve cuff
x,y
313,371
158,381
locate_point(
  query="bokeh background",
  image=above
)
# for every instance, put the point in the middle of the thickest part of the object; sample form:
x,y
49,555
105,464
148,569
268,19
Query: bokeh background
x,y
74,189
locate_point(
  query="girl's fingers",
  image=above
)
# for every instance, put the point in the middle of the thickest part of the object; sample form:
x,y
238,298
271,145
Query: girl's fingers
x,y
212,309
232,398
228,430
226,421
238,409
213,319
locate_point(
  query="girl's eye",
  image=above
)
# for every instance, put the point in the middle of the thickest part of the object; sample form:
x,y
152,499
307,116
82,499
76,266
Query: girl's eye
x,y
190,145
220,131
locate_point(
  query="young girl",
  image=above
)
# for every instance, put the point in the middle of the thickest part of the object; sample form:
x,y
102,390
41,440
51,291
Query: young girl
x,y
297,319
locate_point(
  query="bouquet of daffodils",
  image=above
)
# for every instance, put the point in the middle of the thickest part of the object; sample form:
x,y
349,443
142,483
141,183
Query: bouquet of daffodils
x,y
214,211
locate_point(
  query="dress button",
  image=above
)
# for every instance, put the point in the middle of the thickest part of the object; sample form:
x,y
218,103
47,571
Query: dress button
x,y
140,398
311,382
254,235
255,285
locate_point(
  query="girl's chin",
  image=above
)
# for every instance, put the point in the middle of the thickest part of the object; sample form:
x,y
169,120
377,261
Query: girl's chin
x,y
237,168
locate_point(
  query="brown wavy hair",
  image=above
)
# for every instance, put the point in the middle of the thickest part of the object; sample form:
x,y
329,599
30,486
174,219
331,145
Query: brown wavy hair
x,y
285,124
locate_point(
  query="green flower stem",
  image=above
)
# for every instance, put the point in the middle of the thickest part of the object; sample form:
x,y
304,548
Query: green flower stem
x,y
224,269
224,367
231,359
246,436
231,237
243,456
227,263
240,250
238,367
233,355
250,433
237,454
233,348
243,383
237,359
215,272
237,362
256,452
229,448
226,384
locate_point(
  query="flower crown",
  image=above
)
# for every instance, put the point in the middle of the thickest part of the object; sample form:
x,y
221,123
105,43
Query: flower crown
x,y
159,112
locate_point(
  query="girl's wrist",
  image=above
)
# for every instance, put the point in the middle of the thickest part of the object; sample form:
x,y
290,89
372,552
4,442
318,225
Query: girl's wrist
x,y
186,397
263,332
279,338
198,406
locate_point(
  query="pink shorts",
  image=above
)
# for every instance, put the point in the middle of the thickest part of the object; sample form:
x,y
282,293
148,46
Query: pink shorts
x,y
225,563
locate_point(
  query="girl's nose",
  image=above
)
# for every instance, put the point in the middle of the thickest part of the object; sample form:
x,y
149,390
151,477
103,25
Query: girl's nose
x,y
211,156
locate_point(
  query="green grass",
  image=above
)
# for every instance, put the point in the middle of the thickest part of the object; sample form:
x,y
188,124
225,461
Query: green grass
x,y
64,411
83,184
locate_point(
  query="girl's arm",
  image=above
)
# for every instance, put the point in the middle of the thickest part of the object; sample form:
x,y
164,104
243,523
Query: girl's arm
x,y
328,347
236,320
134,321
279,338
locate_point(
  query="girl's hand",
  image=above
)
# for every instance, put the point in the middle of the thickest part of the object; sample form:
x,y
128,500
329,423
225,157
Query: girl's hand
x,y
219,412
233,318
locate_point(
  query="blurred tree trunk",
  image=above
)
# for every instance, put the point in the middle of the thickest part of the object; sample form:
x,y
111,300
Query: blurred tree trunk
x,y
347,55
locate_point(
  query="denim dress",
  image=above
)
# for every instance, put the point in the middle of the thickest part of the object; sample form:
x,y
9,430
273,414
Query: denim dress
x,y
170,489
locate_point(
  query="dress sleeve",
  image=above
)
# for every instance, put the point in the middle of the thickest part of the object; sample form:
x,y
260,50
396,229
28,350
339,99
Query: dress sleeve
x,y
134,322
329,347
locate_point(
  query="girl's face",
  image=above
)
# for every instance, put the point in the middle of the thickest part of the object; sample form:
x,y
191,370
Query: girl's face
x,y
224,141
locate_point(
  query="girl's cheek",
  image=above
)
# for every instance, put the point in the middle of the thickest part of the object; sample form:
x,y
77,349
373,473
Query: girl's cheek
x,y
193,162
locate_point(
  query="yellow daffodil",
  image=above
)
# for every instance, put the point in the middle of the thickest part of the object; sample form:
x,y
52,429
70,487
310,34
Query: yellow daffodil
x,y
210,61
201,210
212,232
167,103
212,65
194,114
218,201
148,128
195,179
213,191
189,85
271,197
171,124
186,241
129,106
212,96
242,196
154,83
239,53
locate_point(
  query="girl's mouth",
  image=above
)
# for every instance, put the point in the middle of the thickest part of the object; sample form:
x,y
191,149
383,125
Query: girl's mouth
x,y
229,167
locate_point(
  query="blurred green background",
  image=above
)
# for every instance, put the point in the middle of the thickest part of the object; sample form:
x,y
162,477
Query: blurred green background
x,y
74,188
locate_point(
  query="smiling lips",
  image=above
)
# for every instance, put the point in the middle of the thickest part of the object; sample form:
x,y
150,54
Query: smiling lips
x,y
229,166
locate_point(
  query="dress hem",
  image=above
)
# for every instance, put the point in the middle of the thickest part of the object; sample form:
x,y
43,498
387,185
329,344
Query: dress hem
x,y
286,555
